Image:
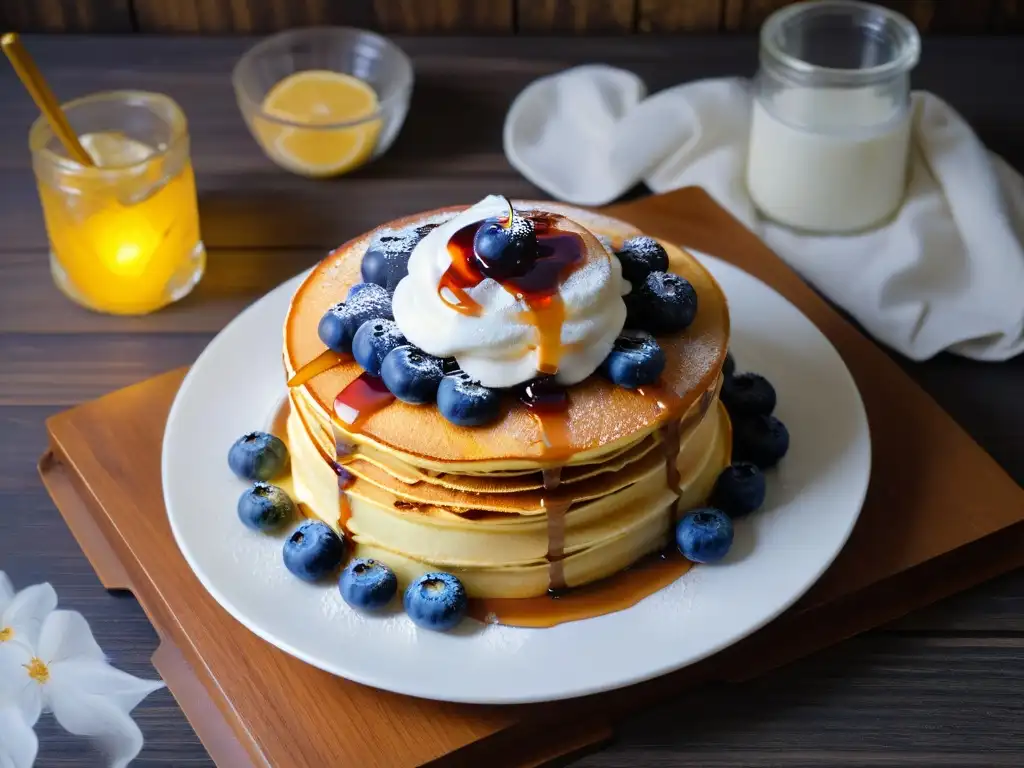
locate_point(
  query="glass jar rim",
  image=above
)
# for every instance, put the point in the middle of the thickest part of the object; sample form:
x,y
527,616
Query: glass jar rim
x,y
40,133
787,65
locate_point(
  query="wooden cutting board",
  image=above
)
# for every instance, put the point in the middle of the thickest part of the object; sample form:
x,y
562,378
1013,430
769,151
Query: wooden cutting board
x,y
940,516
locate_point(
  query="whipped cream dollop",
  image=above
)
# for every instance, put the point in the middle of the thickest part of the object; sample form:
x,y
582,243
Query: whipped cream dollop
x,y
499,345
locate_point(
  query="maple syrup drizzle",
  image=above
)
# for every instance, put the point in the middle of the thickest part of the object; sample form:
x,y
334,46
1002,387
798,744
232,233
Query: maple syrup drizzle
x,y
323,362
556,544
548,402
556,530
552,478
673,427
671,406
360,399
558,254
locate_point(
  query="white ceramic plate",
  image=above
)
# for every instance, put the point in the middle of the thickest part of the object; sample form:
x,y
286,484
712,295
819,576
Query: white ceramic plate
x,y
814,498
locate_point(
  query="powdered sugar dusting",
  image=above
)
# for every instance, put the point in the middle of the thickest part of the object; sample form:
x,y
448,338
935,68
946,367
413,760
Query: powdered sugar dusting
x,y
503,640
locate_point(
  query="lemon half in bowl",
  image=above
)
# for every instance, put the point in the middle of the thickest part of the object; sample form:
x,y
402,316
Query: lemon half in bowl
x,y
319,123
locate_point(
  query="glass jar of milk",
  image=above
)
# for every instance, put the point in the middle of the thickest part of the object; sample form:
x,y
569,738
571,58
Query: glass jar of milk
x,y
830,133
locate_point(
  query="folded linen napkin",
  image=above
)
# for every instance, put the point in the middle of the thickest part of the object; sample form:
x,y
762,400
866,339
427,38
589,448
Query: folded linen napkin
x,y
947,273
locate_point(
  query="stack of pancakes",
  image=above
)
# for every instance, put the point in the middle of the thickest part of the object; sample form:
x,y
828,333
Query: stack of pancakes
x,y
422,494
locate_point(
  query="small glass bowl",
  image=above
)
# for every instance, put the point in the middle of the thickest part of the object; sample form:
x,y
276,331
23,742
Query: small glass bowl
x,y
364,55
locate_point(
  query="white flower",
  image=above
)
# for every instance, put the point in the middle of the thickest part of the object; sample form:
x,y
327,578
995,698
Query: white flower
x,y
57,666
18,742
22,613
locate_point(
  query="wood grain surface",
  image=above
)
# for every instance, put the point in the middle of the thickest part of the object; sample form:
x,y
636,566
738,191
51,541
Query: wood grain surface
x,y
940,688
486,17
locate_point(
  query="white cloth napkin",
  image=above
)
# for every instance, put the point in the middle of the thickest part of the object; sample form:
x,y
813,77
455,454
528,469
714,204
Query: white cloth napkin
x,y
947,273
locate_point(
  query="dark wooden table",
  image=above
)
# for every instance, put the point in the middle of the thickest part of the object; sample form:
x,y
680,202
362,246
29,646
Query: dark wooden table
x,y
944,687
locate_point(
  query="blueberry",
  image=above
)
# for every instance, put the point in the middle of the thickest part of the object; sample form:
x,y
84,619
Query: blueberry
x,y
465,402
264,507
411,374
739,490
663,303
704,535
372,342
339,324
313,551
635,360
386,260
505,247
257,456
436,601
729,367
762,440
367,584
748,394
639,256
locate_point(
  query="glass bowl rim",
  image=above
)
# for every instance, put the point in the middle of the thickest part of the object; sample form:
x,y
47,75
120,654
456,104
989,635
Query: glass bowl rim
x,y
255,108
40,133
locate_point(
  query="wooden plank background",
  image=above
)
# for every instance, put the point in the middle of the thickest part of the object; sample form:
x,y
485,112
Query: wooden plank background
x,y
483,17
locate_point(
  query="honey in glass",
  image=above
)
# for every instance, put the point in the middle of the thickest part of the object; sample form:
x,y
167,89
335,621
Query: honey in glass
x,y
124,235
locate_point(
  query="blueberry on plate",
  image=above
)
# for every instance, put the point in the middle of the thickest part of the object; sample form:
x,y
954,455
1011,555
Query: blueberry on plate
x,y
762,440
466,402
372,342
729,367
748,394
386,260
367,585
339,324
740,489
265,507
663,303
411,374
635,360
704,535
505,246
313,551
257,456
436,601
639,256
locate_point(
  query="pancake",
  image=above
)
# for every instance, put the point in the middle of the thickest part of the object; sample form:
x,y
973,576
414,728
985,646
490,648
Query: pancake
x,y
504,555
601,416
496,504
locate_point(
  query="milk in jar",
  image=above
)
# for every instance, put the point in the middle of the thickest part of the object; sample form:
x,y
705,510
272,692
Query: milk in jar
x,y
831,124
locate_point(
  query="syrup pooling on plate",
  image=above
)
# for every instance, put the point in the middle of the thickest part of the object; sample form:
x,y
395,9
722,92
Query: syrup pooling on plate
x,y
558,254
615,593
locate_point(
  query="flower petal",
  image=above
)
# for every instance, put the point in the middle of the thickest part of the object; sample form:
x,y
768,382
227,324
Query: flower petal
x,y
17,689
26,612
18,742
85,714
66,635
6,591
100,679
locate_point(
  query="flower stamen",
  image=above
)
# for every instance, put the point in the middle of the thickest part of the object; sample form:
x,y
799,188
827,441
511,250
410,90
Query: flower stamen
x,y
38,671
6,634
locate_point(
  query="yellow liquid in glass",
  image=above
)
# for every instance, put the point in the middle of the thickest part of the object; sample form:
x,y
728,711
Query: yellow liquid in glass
x,y
126,246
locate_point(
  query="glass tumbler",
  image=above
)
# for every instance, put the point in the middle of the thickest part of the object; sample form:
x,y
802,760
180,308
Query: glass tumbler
x,y
124,235
831,123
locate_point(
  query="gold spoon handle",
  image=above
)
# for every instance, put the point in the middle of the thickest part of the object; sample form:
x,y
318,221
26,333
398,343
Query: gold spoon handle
x,y
41,94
